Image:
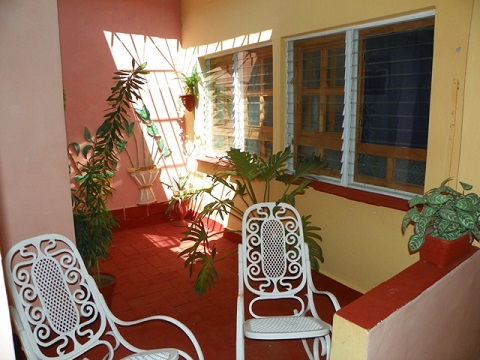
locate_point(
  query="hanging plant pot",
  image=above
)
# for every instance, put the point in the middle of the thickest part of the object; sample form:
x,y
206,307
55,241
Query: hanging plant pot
x,y
188,101
144,178
106,285
442,252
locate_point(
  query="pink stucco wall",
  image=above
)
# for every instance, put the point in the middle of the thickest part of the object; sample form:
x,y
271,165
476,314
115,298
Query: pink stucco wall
x,y
34,192
100,37
446,322
423,313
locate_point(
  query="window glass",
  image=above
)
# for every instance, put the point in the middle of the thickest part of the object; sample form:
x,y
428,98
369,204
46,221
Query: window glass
x,y
240,101
360,100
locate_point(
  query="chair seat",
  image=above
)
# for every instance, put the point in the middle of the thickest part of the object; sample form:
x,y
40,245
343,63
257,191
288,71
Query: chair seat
x,y
285,327
161,354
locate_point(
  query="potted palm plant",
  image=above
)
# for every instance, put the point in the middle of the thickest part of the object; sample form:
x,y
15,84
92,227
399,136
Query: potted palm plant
x,y
445,223
190,87
94,164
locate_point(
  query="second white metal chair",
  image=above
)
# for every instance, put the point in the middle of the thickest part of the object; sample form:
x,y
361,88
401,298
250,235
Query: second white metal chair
x,y
274,266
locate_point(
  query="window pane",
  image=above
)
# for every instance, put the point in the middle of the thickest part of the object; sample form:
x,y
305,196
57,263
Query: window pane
x,y
336,67
253,111
394,104
252,146
333,161
249,125
410,171
398,68
334,113
268,111
374,166
220,88
310,113
268,73
377,110
311,69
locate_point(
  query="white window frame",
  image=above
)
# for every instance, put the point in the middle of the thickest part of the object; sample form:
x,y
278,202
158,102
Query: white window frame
x,y
238,107
349,120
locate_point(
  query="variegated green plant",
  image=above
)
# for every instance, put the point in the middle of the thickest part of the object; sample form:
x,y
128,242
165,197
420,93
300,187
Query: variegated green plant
x,y
443,212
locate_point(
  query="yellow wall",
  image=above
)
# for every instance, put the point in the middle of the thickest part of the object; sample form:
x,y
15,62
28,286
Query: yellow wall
x,y
363,244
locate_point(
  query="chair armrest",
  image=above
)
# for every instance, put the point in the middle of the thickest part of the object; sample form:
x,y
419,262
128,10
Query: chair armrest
x,y
164,318
332,297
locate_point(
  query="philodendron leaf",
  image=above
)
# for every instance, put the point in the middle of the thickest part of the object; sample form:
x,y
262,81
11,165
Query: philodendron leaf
x,y
415,242
466,220
442,226
75,147
466,186
467,203
436,198
87,135
86,149
121,145
447,214
428,211
143,114
421,225
152,130
475,233
129,128
166,151
416,200
411,215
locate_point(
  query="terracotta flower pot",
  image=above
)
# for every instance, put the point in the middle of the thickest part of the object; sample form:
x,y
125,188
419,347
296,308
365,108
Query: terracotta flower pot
x,y
106,285
180,212
188,101
442,252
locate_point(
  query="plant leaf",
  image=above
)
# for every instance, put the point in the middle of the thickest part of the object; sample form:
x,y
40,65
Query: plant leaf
x,y
143,114
415,242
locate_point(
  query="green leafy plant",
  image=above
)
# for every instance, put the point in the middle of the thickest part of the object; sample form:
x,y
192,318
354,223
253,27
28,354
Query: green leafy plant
x,y
247,179
190,82
182,191
94,165
159,149
443,212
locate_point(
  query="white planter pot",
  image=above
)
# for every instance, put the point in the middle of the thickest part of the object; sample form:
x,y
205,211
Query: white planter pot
x,y
144,178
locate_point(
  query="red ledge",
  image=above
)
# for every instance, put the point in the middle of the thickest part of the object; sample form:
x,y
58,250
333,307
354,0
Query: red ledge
x,y
361,196
345,192
383,300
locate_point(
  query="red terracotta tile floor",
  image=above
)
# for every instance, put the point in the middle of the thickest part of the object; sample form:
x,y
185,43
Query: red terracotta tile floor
x,y
151,280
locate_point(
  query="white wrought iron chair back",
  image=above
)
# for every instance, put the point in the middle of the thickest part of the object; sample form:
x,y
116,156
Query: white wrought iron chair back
x,y
274,266
58,311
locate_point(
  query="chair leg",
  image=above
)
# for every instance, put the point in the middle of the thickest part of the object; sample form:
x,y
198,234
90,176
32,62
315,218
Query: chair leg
x,y
240,347
324,342
310,355
326,346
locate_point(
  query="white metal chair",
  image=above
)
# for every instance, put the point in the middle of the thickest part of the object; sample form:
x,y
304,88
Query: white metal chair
x,y
58,311
274,266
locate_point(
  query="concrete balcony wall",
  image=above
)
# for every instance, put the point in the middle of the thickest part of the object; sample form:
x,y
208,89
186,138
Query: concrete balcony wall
x,y
425,312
